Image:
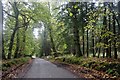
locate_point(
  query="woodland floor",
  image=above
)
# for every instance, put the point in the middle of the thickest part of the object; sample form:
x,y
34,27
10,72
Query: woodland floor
x,y
16,70
84,72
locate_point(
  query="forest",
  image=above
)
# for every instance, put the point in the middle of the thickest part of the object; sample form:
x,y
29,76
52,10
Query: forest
x,y
65,31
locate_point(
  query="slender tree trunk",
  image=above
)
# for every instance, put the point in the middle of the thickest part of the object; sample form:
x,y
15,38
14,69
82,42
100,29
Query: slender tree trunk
x,y
83,42
104,26
11,43
107,38
87,44
109,49
87,31
1,27
119,18
103,50
114,31
93,50
17,46
3,53
99,52
82,25
118,21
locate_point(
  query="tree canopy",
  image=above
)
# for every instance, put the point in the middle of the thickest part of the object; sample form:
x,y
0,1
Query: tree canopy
x,y
78,28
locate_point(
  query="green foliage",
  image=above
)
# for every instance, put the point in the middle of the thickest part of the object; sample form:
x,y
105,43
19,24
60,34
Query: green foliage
x,y
29,15
6,65
71,14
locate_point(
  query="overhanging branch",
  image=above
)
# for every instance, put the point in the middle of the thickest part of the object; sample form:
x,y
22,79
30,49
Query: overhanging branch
x,y
8,14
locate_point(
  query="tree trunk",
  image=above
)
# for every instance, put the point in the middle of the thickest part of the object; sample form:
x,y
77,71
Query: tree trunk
x,y
93,51
119,17
17,46
1,30
52,43
11,43
99,49
82,25
76,41
83,43
87,44
78,52
104,27
76,37
14,31
24,40
118,21
99,52
109,49
3,53
87,31
114,31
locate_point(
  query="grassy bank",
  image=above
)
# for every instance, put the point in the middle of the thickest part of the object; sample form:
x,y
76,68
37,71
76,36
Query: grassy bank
x,y
8,64
109,66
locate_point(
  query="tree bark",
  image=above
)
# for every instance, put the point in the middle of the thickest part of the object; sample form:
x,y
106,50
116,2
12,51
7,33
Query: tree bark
x,y
76,33
99,49
118,21
17,46
11,43
1,30
14,30
93,41
87,31
119,17
109,49
3,53
82,25
76,40
114,31
104,27
93,51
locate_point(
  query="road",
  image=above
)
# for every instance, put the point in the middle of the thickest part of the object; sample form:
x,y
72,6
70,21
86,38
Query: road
x,y
44,69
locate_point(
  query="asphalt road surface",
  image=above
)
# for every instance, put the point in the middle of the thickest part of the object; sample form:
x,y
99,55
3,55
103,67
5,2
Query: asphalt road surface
x,y
44,69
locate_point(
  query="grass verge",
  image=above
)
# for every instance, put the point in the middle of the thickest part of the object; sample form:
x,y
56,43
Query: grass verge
x,y
109,66
14,62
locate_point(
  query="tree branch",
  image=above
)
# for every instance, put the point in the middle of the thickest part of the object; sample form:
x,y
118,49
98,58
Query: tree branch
x,y
8,14
31,17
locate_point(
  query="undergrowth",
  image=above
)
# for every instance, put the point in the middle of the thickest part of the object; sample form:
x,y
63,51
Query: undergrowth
x,y
108,66
7,64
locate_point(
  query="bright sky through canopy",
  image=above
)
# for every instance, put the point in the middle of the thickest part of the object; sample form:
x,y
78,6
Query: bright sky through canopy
x,y
36,32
